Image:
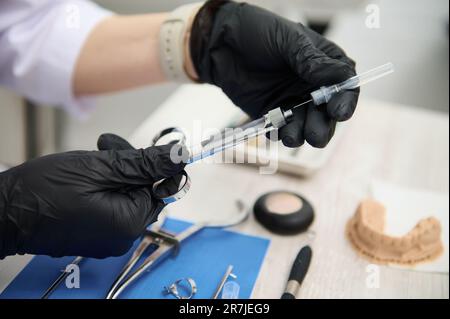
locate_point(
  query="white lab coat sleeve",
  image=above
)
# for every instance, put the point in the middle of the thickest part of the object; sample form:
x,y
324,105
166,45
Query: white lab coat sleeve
x,y
39,45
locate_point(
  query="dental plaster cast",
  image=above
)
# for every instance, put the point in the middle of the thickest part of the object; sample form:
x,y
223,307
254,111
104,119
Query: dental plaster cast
x,y
365,230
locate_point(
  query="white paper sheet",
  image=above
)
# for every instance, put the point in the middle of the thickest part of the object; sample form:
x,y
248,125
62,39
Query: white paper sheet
x,y
405,207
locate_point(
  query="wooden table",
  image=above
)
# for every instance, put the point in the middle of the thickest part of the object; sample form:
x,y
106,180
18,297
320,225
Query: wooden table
x,y
399,144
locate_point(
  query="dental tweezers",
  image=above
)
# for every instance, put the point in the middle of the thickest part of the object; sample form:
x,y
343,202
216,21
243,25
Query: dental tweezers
x,y
165,243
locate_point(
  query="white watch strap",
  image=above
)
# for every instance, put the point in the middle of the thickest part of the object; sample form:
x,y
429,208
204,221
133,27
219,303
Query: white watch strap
x,y
171,42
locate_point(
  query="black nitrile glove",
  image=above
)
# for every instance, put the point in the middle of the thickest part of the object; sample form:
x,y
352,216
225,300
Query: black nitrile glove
x,y
262,61
82,203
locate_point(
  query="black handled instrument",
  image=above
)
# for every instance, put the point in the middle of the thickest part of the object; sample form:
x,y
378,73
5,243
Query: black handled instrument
x,y
298,273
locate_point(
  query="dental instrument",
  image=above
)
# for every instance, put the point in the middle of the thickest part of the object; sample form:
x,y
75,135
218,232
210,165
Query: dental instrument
x,y
228,273
272,120
60,278
165,244
277,118
298,273
175,288
325,93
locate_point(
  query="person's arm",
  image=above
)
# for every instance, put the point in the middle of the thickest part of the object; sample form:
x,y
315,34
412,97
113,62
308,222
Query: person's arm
x,y
61,52
122,52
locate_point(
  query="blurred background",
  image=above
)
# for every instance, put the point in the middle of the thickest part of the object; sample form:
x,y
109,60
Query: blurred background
x,y
413,34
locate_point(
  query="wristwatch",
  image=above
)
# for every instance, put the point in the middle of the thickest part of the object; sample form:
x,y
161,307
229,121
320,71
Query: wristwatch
x,y
173,35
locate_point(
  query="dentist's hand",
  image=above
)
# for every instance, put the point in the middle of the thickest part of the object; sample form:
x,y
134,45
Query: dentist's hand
x,y
82,203
262,61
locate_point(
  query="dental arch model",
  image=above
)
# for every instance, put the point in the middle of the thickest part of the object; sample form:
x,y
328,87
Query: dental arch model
x,y
365,230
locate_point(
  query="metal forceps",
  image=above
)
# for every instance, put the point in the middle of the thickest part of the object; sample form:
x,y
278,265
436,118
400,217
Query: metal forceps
x,y
165,243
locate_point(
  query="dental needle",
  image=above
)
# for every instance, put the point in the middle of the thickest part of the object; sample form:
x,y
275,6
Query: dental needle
x,y
325,93
301,104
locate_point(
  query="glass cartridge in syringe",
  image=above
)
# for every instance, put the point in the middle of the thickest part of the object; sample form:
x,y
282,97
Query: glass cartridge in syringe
x,y
277,117
274,119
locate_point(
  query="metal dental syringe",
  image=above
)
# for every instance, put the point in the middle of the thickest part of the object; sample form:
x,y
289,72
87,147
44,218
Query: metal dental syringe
x,y
277,118
273,120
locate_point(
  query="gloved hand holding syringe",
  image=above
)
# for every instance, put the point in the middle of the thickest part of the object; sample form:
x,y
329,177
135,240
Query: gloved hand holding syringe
x,y
277,118
272,120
